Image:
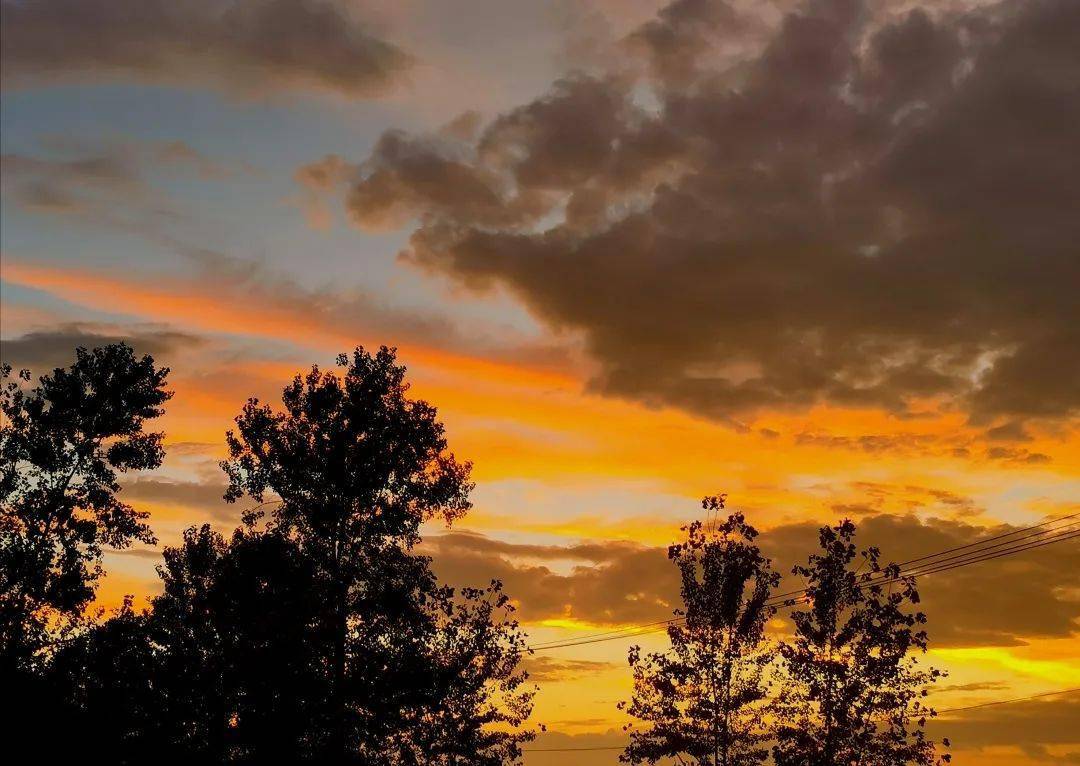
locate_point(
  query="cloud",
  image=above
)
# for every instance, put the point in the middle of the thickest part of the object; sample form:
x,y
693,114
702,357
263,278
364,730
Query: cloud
x,y
249,46
58,185
977,686
622,582
1031,726
931,444
317,181
1002,602
847,206
544,669
46,349
204,496
236,296
106,183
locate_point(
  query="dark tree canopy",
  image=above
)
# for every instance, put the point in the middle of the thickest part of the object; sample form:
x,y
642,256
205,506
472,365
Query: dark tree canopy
x,y
853,688
220,669
61,446
226,666
356,466
316,633
478,698
704,698
354,461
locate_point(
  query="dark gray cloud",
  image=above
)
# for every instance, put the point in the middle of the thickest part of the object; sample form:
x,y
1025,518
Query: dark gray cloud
x,y
46,349
254,46
1001,602
852,206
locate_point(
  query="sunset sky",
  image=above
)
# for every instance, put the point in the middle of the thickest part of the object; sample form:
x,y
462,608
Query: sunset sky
x,y
821,256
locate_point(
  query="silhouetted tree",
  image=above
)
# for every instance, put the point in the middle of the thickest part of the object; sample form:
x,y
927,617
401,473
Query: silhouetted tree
x,y
357,466
221,669
190,634
267,624
108,685
477,696
236,629
61,446
704,697
318,636
853,689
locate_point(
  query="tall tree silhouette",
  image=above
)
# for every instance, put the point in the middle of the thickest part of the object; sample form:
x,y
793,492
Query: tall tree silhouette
x,y
61,446
853,688
356,466
226,667
704,697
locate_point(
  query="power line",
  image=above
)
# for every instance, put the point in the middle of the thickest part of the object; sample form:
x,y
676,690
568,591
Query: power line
x,y
934,563
995,537
973,557
1009,701
980,544
938,712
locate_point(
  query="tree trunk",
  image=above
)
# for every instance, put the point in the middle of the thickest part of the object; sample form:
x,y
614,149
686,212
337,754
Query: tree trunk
x,y
340,629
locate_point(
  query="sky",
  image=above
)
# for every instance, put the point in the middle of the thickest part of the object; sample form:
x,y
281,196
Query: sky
x,y
820,256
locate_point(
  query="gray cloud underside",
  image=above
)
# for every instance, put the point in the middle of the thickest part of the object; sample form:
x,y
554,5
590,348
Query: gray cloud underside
x,y
866,208
1032,726
42,351
255,46
1001,602
206,497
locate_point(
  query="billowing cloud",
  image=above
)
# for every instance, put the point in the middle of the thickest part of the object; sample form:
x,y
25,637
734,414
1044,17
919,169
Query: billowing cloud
x,y
1001,602
854,206
252,46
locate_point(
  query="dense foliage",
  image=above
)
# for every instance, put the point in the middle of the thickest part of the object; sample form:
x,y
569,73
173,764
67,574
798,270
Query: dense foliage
x,y
315,633
62,444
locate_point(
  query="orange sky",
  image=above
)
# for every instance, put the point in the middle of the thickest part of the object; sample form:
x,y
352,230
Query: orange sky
x,y
635,253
